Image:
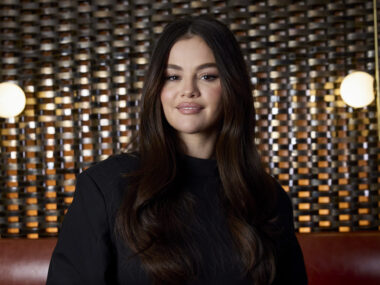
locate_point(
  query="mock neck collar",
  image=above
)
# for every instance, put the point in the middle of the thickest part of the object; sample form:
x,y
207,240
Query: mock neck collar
x,y
198,166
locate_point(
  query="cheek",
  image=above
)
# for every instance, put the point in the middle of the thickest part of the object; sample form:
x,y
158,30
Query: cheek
x,y
217,98
166,102
218,104
166,97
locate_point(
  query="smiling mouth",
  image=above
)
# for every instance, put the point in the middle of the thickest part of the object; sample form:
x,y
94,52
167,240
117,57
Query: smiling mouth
x,y
189,108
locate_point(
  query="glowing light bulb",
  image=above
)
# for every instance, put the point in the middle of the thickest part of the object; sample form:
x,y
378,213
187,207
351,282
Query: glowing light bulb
x,y
12,100
357,89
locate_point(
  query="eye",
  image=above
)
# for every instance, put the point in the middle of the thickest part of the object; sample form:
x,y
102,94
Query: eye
x,y
209,77
171,77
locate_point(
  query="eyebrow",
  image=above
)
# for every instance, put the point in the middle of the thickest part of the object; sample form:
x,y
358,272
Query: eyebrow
x,y
202,66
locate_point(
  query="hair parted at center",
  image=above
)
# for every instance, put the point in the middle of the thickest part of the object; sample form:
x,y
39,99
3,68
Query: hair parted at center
x,y
248,192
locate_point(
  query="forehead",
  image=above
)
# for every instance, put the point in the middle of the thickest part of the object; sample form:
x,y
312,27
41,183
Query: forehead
x,y
191,51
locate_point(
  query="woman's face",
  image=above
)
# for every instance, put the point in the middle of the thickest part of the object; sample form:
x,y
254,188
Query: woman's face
x,y
192,94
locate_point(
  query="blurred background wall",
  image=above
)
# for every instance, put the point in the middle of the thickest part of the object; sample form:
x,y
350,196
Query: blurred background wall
x,y
81,65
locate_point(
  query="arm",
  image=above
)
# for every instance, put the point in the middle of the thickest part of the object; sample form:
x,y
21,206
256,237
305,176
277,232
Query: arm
x,y
83,254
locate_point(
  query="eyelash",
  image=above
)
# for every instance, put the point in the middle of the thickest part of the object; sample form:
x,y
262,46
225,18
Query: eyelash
x,y
210,77
171,77
207,77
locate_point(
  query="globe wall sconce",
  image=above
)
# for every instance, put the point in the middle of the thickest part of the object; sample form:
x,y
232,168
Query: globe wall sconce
x,y
12,100
357,88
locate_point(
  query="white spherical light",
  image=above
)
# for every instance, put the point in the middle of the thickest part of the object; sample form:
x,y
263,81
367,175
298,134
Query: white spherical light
x,y
357,89
12,100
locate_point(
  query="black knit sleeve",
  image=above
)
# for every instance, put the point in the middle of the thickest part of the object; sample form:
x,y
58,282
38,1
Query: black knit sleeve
x,y
83,254
290,263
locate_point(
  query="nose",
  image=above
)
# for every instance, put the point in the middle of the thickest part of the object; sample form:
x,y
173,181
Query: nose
x,y
189,88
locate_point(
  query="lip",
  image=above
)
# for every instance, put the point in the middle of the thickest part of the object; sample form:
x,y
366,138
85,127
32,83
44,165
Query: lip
x,y
189,108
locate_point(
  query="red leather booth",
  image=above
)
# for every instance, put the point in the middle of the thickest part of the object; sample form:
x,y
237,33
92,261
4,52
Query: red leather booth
x,y
342,258
331,259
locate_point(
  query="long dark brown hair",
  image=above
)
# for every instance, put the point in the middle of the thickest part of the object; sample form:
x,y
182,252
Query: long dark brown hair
x,y
248,192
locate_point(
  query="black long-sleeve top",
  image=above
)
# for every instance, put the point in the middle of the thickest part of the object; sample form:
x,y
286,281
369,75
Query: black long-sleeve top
x,y
89,252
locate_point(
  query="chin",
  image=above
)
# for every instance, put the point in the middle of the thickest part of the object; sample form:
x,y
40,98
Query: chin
x,y
188,129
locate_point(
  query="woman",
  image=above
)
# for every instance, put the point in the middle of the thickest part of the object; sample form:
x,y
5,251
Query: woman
x,y
193,205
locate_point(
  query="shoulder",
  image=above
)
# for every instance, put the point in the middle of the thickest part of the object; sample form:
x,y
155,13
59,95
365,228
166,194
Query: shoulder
x,y
111,172
284,203
283,210
114,165
280,199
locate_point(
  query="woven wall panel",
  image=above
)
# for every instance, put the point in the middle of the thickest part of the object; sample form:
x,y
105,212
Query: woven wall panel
x,y
82,63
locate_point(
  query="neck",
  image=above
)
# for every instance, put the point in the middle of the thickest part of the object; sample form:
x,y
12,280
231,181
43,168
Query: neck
x,y
199,146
